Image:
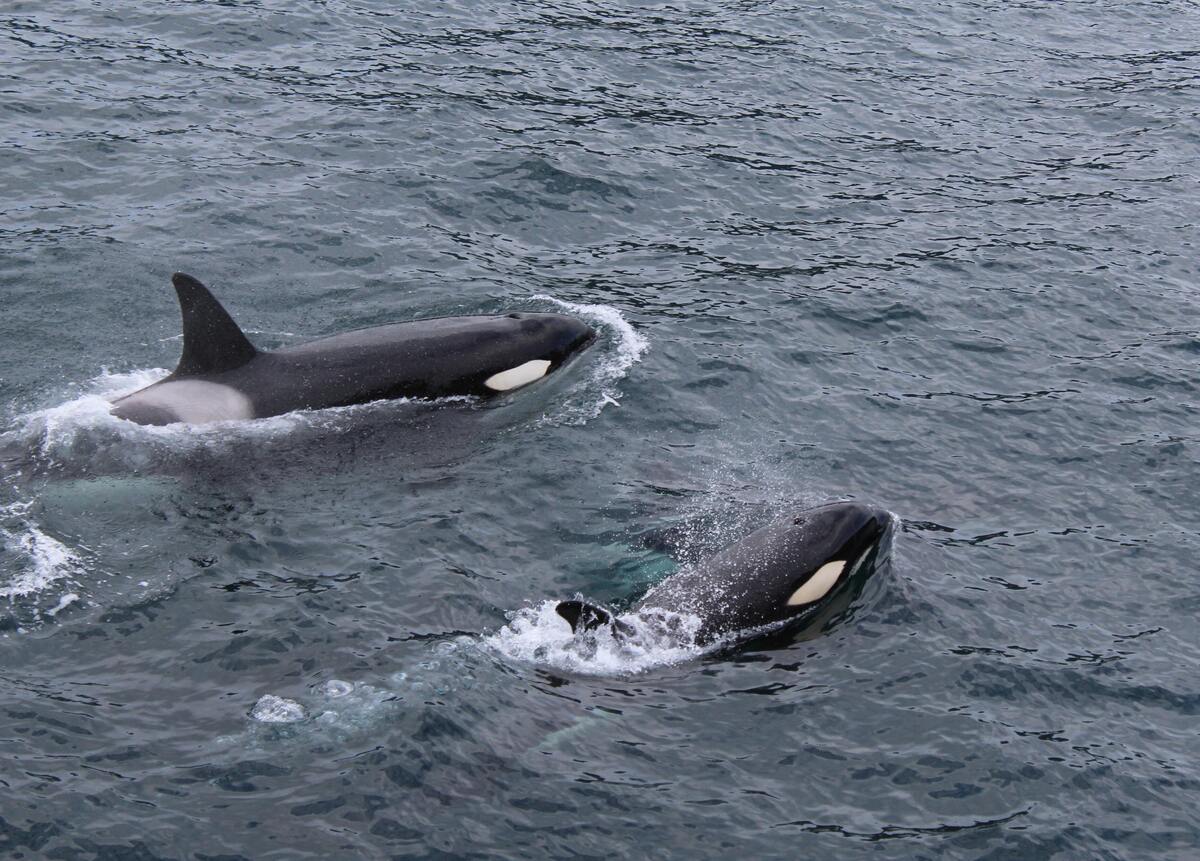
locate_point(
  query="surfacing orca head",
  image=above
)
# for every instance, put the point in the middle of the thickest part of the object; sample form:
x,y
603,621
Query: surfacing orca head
x,y
561,336
788,571
804,568
828,548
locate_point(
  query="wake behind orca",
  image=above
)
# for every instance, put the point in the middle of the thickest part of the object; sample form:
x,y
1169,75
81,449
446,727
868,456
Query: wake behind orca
x,y
221,376
795,572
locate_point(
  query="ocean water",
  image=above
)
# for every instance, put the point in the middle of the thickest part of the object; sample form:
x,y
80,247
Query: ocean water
x,y
941,257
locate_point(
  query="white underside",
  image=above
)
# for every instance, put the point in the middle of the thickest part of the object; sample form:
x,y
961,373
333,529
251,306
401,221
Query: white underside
x,y
818,585
196,401
521,375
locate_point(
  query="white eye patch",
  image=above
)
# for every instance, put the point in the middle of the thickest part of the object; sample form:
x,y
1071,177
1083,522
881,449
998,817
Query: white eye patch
x,y
818,585
521,375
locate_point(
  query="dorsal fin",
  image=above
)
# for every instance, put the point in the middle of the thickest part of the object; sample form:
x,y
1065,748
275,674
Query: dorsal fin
x,y
212,342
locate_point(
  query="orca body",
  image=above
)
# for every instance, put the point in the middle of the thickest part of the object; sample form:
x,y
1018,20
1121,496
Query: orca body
x,y
789,572
221,376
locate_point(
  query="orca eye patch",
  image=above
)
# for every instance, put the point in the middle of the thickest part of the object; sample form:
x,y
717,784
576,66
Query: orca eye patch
x,y
521,375
818,585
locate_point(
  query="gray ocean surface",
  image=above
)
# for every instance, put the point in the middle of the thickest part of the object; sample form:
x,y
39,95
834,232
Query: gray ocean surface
x,y
941,257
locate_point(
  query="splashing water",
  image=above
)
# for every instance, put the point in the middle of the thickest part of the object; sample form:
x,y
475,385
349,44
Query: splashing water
x,y
41,560
628,348
538,635
82,430
39,563
273,709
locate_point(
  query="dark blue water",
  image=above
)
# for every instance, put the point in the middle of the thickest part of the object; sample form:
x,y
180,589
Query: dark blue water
x,y
941,257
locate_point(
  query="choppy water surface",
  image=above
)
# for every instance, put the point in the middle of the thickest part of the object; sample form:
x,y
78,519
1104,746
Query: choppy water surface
x,y
941,257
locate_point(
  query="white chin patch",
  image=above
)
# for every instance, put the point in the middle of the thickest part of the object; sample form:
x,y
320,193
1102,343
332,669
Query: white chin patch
x,y
818,585
196,402
521,375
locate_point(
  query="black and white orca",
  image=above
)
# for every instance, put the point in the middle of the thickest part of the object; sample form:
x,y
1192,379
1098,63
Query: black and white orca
x,y
786,573
221,376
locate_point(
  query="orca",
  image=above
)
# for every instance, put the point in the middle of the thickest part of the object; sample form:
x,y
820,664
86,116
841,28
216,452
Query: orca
x,y
221,376
788,573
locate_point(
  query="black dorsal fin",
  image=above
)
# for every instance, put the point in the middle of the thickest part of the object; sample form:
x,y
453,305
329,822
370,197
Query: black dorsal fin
x,y
583,616
212,342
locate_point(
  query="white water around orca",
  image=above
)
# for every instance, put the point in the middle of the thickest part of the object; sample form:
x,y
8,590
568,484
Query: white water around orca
x,y
937,258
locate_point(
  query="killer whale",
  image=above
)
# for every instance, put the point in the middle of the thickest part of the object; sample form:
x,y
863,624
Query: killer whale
x,y
221,376
788,573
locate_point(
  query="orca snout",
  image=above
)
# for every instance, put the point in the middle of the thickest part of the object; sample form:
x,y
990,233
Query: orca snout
x,y
842,516
877,521
864,542
564,335
869,525
842,530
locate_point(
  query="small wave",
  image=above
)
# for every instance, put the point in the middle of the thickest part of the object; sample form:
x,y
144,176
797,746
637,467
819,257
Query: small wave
x,y
538,635
628,348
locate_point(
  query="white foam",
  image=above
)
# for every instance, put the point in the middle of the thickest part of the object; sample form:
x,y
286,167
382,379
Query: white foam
x,y
64,602
54,431
333,709
43,561
538,635
630,345
273,709
56,427
335,689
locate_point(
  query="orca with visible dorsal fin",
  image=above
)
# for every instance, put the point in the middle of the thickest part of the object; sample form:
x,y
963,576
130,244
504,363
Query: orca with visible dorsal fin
x,y
221,376
212,342
789,571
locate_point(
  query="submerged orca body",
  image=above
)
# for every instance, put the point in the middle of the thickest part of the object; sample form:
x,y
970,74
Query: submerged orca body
x,y
789,572
221,376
